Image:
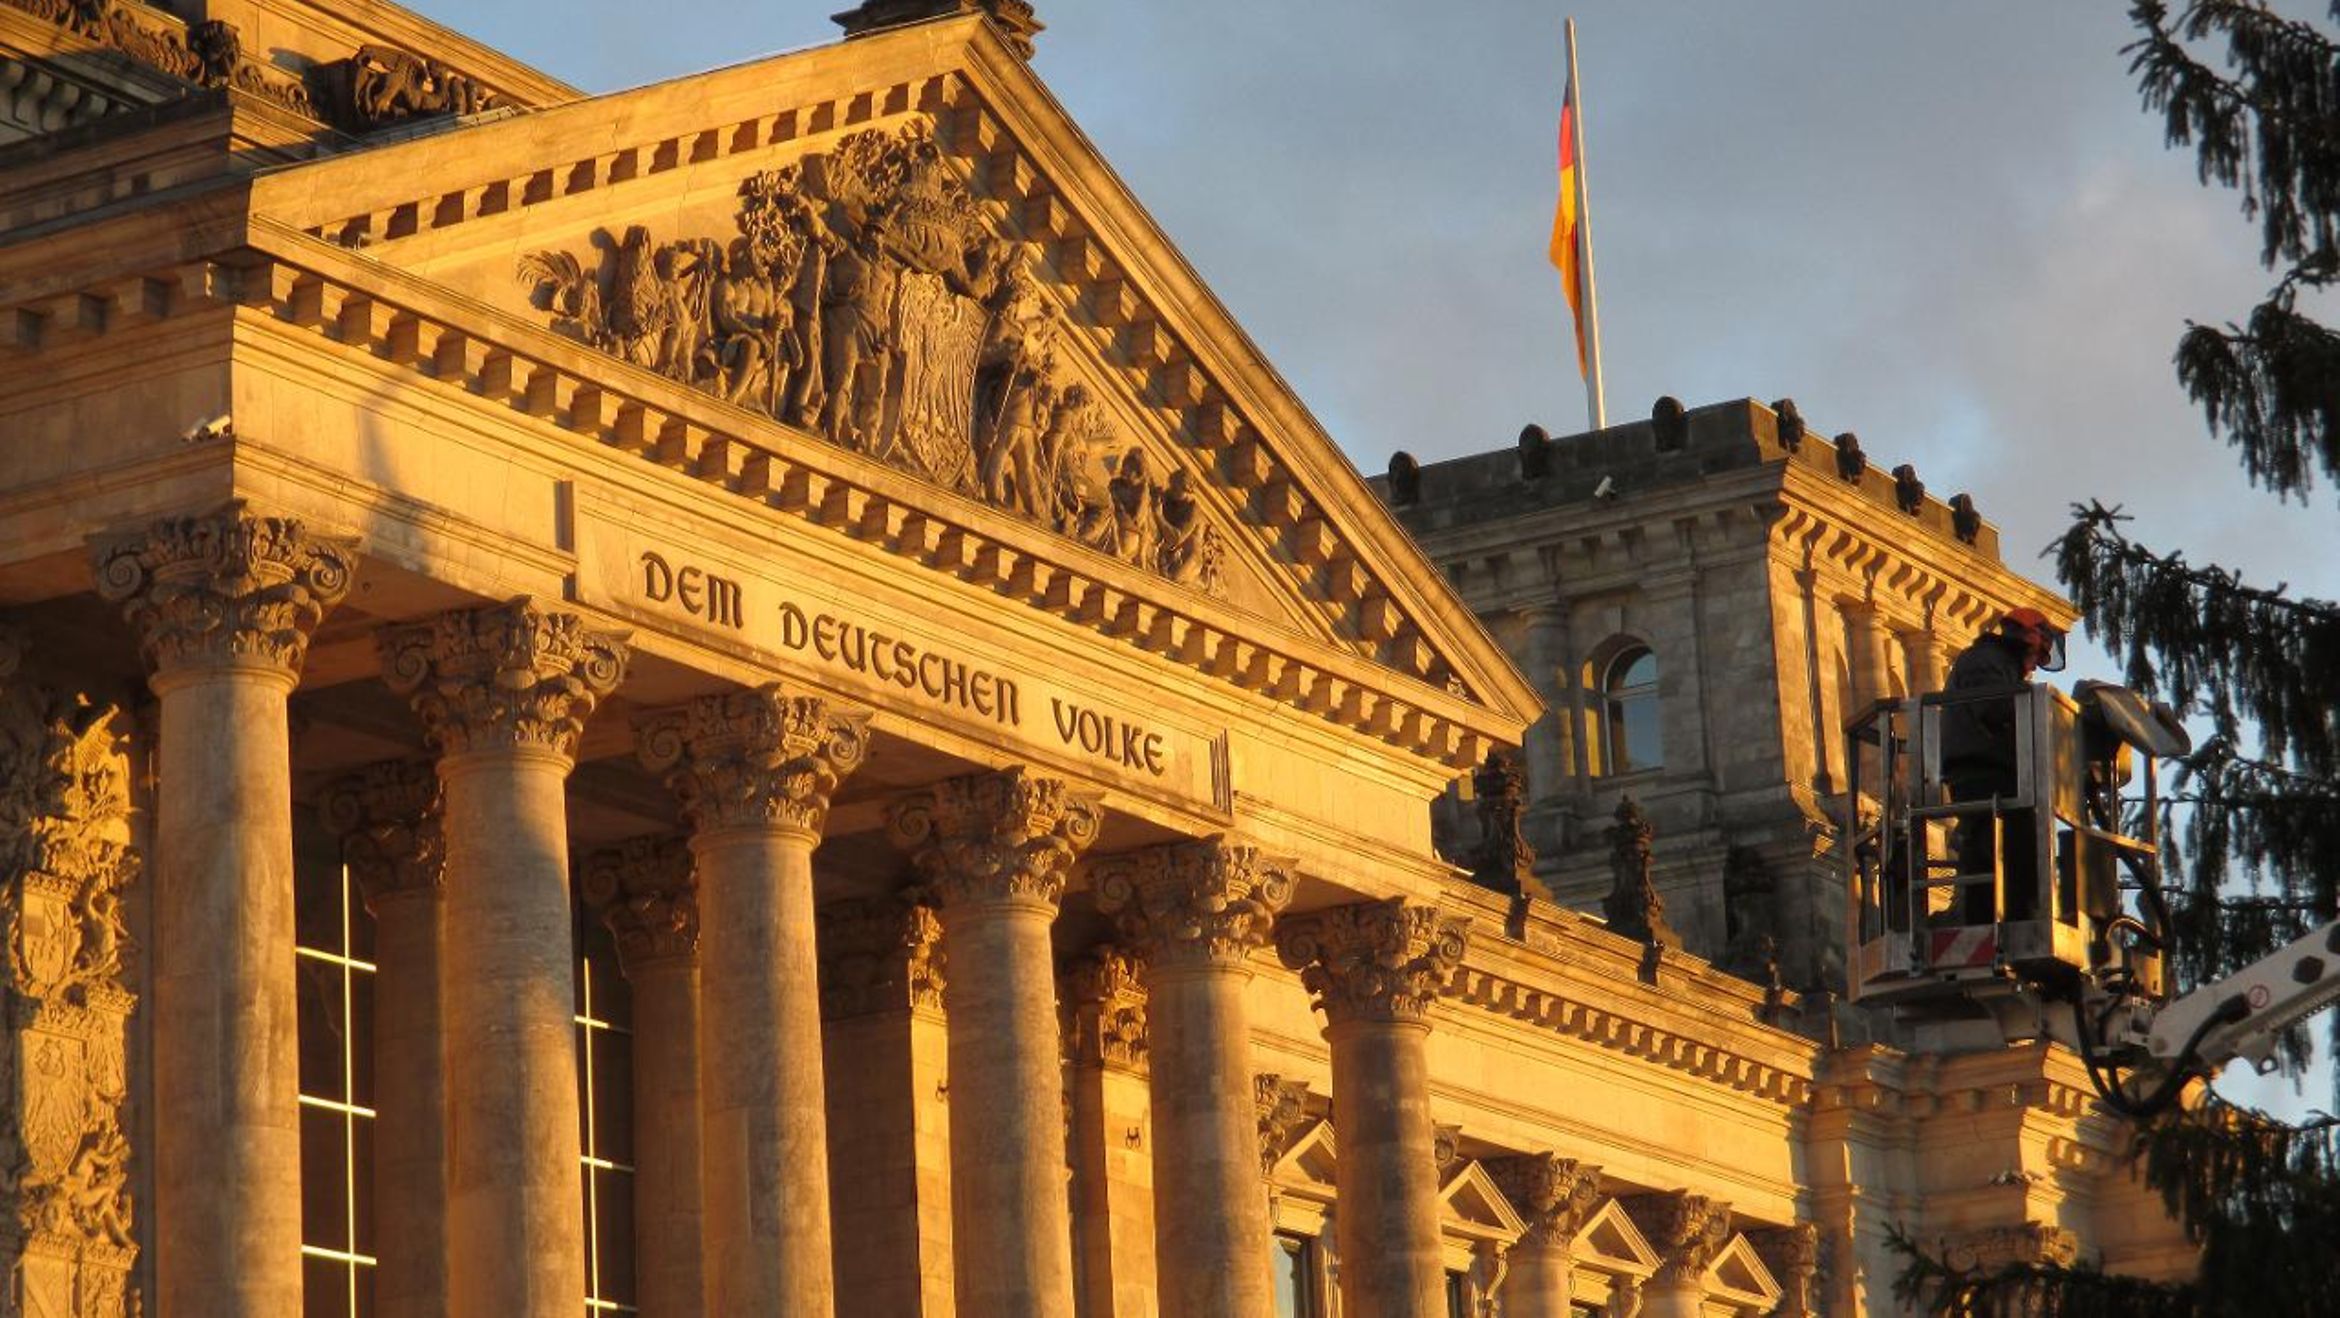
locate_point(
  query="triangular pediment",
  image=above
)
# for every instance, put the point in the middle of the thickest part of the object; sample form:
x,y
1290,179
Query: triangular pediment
x,y
1474,1203
1611,1243
1739,1277
1309,1163
898,247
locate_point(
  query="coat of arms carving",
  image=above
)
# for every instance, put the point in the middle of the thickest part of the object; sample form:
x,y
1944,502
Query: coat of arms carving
x,y
866,298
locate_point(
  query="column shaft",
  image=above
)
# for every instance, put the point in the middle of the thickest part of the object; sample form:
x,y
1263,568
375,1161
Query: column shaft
x,y
226,1012
1211,1225
1011,1224
1537,1286
670,1281
516,1239
766,1128
1387,1171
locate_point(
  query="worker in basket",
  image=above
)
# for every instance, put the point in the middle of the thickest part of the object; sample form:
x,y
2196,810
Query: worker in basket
x,y
1978,755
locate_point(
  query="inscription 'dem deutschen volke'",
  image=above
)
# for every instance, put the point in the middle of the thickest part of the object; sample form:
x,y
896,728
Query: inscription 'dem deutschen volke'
x,y
936,675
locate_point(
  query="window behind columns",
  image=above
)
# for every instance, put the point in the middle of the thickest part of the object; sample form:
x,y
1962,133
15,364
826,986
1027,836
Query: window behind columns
x,y
605,1104
1295,1277
334,949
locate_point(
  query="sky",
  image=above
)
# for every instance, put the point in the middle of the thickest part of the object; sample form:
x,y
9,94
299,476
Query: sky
x,y
1948,228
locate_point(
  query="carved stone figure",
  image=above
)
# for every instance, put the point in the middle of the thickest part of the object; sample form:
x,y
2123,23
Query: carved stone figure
x,y
387,85
1405,479
1669,424
217,48
1850,461
1965,522
1505,861
868,296
1791,424
1633,907
1909,493
1015,20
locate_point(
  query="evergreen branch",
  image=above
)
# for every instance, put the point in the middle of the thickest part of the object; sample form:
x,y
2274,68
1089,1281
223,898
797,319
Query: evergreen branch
x,y
1934,1284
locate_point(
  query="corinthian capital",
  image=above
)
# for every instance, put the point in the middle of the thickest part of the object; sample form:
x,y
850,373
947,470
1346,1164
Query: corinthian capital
x,y
879,954
224,589
387,816
1373,961
1194,903
506,677
1688,1231
648,895
1105,1007
1003,837
1555,1196
754,759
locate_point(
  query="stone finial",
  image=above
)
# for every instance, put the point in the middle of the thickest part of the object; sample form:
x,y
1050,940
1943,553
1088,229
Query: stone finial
x,y
1790,424
1909,493
1688,1231
224,589
880,954
1850,461
1004,837
1965,522
754,759
647,892
1792,1253
387,817
1373,961
1504,861
1554,1196
1283,1114
1105,1009
1015,20
1633,907
1669,424
1194,903
506,677
1535,452
1405,480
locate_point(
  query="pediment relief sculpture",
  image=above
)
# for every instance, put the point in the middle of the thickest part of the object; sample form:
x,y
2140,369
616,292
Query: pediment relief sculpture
x,y
866,298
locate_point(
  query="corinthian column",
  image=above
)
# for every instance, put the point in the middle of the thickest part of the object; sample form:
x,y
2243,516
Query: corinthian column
x,y
754,770
224,605
1195,912
994,849
1375,968
647,895
388,819
1555,1196
504,693
1688,1231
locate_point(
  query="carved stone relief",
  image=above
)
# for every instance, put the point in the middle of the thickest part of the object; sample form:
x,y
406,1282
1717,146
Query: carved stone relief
x,y
68,1247
208,54
866,297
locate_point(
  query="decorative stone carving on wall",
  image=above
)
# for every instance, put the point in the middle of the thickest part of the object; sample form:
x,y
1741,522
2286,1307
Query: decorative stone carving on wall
x,y
1373,961
867,298
1015,20
1105,1011
646,891
1688,1231
1793,1255
1283,1117
208,54
1554,1196
1504,861
65,858
880,954
384,85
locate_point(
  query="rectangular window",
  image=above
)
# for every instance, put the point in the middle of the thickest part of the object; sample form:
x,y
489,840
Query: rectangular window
x,y
605,1110
333,956
1295,1276
1458,1301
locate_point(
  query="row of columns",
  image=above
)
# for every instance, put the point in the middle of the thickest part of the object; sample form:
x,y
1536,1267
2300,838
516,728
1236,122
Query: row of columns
x,y
466,866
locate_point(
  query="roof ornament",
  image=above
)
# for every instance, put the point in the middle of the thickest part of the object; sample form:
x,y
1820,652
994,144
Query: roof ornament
x,y
1013,19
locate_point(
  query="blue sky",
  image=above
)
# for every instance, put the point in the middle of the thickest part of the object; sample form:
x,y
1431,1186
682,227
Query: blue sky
x,y
1948,228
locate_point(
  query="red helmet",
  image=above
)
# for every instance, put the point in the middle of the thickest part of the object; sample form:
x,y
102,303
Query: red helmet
x,y
2045,639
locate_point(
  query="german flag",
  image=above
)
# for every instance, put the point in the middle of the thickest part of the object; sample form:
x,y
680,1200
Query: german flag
x,y
1567,248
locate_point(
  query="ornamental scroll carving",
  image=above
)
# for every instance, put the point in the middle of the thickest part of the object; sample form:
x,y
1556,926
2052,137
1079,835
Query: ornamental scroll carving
x,y
506,677
1373,961
867,298
1283,1117
208,54
388,818
1688,1231
1554,1196
65,859
386,85
1194,903
996,838
754,759
1792,1253
880,954
224,588
646,890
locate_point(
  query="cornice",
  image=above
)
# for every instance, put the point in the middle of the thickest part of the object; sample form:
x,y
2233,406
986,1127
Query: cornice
x,y
304,286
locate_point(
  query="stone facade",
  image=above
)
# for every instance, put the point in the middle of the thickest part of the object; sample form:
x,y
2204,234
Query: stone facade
x,y
741,699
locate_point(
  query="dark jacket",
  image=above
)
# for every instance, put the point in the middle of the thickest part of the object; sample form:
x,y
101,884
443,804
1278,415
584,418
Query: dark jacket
x,y
1979,737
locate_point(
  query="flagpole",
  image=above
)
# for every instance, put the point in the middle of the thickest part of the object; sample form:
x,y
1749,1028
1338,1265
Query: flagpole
x,y
1595,411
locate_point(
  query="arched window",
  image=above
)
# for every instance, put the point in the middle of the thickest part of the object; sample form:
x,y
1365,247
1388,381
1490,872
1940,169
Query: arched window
x,y
1630,740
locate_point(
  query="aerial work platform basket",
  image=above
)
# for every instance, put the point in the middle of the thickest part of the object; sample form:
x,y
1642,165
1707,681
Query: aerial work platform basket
x,y
2062,881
